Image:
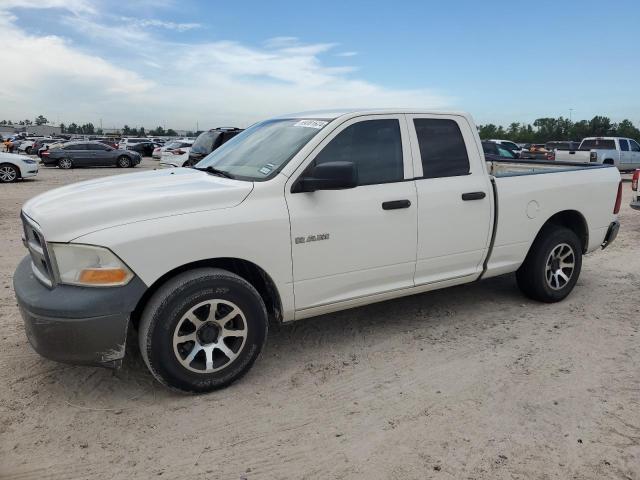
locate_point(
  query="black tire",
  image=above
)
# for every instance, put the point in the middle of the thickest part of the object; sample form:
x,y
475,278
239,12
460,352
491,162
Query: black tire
x,y
124,161
542,284
65,163
177,300
28,150
8,173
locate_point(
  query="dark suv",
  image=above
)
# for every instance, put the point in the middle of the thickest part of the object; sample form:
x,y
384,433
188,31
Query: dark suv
x,y
89,154
208,141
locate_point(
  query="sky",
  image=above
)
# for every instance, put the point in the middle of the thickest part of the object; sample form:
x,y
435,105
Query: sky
x,y
196,64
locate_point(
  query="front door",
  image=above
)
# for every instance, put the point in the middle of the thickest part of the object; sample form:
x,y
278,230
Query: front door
x,y
352,243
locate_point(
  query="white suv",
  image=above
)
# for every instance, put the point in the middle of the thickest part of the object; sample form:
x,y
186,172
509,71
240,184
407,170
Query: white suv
x,y
126,142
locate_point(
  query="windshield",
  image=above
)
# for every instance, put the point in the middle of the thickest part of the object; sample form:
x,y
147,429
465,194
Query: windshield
x,y
260,151
204,143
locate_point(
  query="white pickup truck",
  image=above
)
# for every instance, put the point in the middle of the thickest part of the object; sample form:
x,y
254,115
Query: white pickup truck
x,y
624,153
295,217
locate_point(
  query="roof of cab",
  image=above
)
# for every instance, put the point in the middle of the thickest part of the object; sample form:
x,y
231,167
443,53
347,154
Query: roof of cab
x,y
355,112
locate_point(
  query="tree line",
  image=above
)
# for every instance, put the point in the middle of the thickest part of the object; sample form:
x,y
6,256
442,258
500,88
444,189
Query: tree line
x,y
549,129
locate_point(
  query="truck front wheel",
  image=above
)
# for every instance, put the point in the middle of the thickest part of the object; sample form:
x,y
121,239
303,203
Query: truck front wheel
x,y
203,330
552,266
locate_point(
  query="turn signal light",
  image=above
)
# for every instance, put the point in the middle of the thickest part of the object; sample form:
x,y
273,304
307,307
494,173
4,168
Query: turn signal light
x,y
102,276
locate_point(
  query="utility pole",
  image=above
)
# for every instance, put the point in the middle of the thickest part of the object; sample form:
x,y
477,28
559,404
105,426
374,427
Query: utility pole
x,y
571,115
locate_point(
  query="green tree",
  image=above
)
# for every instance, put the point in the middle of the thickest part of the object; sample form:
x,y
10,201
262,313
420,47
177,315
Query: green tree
x,y
600,126
41,120
62,128
171,133
627,129
141,132
73,128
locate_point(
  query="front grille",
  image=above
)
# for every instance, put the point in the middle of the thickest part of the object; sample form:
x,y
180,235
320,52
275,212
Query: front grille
x,y
37,246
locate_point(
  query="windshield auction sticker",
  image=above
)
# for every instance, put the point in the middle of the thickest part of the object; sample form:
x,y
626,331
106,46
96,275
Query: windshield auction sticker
x,y
310,124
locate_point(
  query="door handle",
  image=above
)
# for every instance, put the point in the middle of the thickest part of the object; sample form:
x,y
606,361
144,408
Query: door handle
x,y
396,204
473,196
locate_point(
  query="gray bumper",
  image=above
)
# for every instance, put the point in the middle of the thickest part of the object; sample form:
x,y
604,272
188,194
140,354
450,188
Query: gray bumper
x,y
71,324
635,205
611,235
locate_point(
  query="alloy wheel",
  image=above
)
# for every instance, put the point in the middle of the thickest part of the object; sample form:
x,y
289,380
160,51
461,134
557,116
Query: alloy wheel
x,y
8,174
560,265
210,336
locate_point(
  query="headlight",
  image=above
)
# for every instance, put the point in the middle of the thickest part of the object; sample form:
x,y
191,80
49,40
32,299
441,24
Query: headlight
x,y
89,266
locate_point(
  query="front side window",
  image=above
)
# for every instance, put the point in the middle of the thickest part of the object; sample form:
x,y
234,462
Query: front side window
x,y
262,150
374,146
442,148
624,145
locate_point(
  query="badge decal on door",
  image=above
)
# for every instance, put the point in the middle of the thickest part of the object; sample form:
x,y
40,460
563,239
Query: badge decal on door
x,y
312,238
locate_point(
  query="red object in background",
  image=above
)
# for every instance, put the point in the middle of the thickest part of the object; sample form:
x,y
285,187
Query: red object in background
x,y
616,208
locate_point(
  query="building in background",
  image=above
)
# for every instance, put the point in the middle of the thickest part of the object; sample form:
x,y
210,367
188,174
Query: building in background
x,y
40,130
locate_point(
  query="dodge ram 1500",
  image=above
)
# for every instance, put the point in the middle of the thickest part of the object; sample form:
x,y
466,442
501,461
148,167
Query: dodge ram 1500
x,y
295,217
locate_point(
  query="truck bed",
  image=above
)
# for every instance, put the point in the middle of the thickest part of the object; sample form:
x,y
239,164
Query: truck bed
x,y
510,168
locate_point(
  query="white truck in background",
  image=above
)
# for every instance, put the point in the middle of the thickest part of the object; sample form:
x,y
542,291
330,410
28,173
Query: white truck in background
x,y
624,153
295,217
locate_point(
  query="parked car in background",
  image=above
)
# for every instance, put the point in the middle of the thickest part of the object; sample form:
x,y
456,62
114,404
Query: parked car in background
x,y
514,147
112,142
38,144
624,153
177,157
208,141
127,142
167,147
14,167
559,145
536,151
339,208
89,154
496,151
635,198
49,146
143,148
27,146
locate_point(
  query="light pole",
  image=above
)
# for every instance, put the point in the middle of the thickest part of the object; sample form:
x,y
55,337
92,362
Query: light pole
x,y
571,115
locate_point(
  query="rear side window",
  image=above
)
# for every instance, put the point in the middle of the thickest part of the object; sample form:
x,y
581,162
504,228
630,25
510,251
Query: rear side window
x,y
442,148
624,145
489,148
634,146
375,146
598,144
97,146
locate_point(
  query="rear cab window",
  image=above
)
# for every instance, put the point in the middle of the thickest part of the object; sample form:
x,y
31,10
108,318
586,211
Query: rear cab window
x,y
598,144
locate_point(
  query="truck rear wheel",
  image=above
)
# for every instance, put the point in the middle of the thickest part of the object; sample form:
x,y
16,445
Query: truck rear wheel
x,y
552,266
203,330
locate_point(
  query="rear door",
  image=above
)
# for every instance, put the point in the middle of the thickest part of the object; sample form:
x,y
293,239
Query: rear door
x,y
81,155
634,153
356,242
455,207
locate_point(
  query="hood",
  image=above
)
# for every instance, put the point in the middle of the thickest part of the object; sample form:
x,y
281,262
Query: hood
x,y
75,210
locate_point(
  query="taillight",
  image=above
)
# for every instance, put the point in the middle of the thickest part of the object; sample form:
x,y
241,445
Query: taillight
x,y
634,180
551,156
593,156
177,151
616,208
45,152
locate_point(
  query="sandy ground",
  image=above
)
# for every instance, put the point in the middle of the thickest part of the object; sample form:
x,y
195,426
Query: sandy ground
x,y
468,382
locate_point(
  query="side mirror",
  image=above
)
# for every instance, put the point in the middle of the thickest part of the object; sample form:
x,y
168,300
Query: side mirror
x,y
327,176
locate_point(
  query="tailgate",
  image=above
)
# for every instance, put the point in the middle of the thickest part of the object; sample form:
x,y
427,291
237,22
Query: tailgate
x,y
582,156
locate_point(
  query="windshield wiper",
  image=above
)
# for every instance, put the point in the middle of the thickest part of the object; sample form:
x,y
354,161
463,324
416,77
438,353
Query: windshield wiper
x,y
215,171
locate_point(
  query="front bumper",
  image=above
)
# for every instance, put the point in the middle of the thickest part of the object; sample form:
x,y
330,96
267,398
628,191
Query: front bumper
x,y
71,324
611,235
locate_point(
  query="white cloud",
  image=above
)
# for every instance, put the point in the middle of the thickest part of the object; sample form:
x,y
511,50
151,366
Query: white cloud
x,y
152,81
346,54
150,22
